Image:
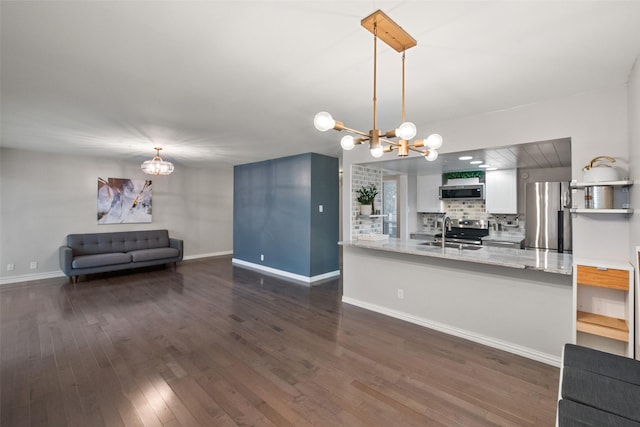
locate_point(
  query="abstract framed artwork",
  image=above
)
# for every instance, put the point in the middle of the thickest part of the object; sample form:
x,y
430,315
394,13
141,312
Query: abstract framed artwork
x,y
124,201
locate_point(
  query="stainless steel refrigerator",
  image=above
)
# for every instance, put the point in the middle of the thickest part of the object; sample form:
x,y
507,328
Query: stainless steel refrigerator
x,y
547,216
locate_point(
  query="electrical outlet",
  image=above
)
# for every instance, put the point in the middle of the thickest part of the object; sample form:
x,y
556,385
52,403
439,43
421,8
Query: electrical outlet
x,y
400,294
261,257
33,265
320,208
10,267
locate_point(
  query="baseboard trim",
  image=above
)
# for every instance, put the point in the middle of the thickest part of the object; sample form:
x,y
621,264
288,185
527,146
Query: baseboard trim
x,y
462,333
209,255
285,274
31,277
55,274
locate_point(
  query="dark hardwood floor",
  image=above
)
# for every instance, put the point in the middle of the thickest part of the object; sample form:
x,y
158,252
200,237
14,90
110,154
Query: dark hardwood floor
x,y
213,345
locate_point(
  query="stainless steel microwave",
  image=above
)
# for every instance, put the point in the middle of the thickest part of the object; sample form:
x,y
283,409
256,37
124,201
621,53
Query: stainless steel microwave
x,y
473,191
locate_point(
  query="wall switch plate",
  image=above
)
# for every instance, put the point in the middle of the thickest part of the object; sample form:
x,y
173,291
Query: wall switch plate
x,y
320,208
261,257
400,294
10,267
33,265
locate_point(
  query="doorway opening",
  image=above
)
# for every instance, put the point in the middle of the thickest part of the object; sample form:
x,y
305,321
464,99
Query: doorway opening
x,y
390,206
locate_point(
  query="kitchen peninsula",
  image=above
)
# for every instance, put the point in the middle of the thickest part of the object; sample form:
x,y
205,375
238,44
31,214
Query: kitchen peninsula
x,y
550,262
516,300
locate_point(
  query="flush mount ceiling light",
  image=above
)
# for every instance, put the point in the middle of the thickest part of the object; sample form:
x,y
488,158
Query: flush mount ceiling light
x,y
157,166
392,34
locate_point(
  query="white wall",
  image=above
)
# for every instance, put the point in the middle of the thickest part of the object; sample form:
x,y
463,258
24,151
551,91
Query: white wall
x,y
595,121
634,153
634,159
44,197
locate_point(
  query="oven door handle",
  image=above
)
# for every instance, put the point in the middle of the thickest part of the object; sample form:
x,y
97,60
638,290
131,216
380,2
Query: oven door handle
x,y
463,241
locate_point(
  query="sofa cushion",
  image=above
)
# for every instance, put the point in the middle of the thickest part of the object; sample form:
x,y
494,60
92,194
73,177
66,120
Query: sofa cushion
x,y
599,362
88,261
153,254
574,414
121,241
601,392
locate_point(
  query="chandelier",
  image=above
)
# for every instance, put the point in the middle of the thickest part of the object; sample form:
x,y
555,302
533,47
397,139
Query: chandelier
x,y
157,166
393,35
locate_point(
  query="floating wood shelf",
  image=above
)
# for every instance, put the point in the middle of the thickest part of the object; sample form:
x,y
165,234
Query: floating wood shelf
x,y
604,326
371,216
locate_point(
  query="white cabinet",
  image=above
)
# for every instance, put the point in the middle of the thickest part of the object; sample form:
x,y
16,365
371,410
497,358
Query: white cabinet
x,y
501,191
428,189
603,306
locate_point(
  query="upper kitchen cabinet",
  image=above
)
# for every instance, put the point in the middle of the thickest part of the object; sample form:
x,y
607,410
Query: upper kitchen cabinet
x,y
501,191
428,197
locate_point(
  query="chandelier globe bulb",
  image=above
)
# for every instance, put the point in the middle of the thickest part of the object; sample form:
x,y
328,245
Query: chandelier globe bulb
x,y
433,142
347,142
377,152
431,155
323,121
406,130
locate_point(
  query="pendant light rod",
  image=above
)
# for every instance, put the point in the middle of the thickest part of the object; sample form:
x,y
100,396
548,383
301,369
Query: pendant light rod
x,y
402,121
375,73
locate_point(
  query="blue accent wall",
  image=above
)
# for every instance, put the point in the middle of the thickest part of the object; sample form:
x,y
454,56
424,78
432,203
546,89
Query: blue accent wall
x,y
276,214
325,226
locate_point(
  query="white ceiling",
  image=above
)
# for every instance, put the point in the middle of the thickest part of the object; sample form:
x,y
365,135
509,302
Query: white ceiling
x,y
218,83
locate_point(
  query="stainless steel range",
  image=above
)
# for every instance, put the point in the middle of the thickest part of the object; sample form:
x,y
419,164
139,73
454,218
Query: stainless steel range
x,y
465,231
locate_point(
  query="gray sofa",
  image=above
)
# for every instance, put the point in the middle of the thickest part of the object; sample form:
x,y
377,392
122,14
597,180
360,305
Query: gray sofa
x,y
102,252
598,389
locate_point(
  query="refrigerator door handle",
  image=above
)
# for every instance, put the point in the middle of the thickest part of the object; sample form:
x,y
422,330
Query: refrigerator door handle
x,y
560,231
566,199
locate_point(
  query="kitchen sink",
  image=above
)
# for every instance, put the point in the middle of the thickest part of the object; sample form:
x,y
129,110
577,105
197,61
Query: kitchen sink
x,y
459,246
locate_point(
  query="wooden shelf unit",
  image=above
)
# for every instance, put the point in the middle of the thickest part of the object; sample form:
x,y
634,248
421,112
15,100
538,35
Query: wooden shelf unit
x,y
603,303
604,326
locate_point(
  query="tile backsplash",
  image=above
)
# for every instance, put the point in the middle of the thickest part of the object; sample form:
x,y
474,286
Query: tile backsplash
x,y
469,209
465,209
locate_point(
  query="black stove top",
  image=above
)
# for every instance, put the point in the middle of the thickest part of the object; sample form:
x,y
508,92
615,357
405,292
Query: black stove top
x,y
467,230
466,233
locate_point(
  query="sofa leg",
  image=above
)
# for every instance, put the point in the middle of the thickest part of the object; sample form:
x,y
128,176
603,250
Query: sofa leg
x,y
75,279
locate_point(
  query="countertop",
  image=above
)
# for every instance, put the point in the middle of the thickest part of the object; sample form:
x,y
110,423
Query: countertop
x,y
550,262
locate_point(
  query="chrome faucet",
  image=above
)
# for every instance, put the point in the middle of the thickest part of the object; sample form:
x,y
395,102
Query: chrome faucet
x,y
446,226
